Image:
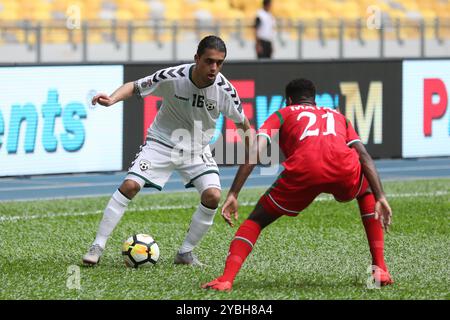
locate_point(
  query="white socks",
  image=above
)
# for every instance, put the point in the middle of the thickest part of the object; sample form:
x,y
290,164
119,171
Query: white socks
x,y
201,221
111,217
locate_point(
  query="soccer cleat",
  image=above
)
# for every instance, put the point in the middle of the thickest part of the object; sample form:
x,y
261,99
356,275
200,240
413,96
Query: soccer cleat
x,y
92,257
218,285
188,258
382,277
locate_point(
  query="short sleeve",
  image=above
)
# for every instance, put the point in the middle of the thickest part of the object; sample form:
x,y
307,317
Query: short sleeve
x,y
233,106
352,136
271,126
148,85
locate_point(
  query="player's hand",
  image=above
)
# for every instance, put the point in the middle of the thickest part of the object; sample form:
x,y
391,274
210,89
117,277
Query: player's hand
x,y
383,212
229,209
103,99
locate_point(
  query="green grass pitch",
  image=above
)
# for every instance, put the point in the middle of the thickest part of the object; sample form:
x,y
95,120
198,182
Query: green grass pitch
x,y
322,254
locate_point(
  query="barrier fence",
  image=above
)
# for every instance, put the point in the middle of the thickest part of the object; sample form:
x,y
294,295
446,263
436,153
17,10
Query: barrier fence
x,y
156,39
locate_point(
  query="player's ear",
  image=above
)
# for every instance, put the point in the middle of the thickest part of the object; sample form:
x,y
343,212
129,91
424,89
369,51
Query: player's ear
x,y
289,101
196,58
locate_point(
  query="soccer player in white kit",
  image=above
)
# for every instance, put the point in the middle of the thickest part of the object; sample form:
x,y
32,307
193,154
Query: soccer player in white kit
x,y
193,95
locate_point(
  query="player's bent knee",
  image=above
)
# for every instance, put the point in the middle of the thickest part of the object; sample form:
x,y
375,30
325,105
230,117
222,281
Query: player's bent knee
x,y
262,217
211,198
130,188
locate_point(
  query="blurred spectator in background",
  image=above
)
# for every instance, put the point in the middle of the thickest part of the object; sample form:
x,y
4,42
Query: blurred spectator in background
x,y
264,31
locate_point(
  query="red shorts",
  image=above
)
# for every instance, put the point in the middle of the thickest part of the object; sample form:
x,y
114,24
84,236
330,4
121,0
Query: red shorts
x,y
288,197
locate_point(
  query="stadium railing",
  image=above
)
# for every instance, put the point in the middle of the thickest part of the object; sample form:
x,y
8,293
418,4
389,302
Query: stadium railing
x,y
293,38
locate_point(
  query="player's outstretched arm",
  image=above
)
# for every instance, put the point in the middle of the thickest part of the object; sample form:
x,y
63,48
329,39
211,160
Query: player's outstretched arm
x,y
123,92
382,209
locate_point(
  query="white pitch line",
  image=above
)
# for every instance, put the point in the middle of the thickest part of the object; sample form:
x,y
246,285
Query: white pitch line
x,y
141,209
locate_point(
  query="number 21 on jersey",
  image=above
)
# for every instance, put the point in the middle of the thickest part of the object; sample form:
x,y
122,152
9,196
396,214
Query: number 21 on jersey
x,y
312,119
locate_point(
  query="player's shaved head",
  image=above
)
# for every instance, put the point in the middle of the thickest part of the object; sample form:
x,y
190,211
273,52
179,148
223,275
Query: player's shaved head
x,y
299,90
211,42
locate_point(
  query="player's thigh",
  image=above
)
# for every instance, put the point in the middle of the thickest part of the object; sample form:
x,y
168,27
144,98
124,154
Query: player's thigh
x,y
285,197
152,166
349,190
200,171
262,217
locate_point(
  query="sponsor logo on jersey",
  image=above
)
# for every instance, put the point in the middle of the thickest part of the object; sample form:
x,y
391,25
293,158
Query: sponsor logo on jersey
x,y
181,98
210,104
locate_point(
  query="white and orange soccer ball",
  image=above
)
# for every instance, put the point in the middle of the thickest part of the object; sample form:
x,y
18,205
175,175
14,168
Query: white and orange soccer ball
x,y
140,250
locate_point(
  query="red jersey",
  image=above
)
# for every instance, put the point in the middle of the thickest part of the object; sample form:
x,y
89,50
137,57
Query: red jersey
x,y
314,140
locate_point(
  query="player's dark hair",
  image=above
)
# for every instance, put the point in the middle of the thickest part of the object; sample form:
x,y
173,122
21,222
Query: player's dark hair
x,y
211,42
266,2
300,89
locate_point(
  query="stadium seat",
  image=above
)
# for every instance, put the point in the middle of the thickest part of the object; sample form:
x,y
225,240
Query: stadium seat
x,y
209,11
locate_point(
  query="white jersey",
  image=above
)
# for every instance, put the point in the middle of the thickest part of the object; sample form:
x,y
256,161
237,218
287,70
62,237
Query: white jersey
x,y
266,28
188,115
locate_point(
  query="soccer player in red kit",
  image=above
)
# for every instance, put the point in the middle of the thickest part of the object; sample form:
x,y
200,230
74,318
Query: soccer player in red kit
x,y
324,154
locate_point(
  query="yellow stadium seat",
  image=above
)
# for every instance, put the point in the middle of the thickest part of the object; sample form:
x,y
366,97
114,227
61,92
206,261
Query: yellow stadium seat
x,y
235,14
8,15
123,14
20,36
142,35
140,10
55,37
411,32
220,9
185,11
95,38
429,14
370,34
173,10
172,15
410,5
396,14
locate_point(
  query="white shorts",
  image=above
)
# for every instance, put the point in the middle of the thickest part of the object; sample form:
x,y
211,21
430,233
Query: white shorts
x,y
155,163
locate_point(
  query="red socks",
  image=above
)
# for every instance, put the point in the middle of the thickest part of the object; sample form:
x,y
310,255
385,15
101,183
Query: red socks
x,y
248,233
240,248
374,230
